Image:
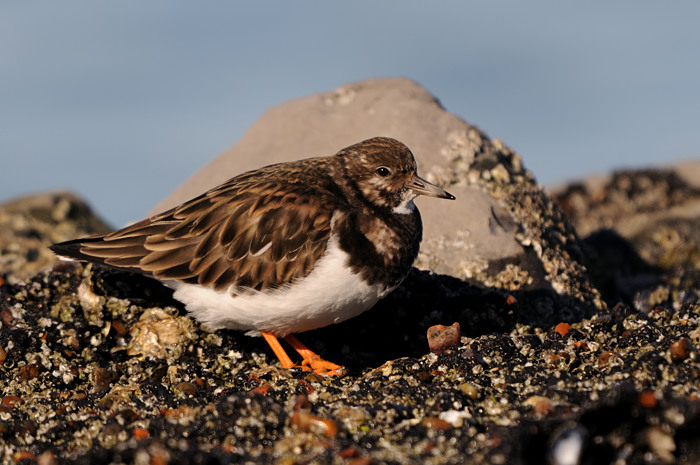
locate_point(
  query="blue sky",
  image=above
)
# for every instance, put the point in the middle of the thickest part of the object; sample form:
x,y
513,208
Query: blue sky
x,y
122,101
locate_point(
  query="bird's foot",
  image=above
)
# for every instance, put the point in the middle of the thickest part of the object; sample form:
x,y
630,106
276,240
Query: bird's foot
x,y
322,367
311,361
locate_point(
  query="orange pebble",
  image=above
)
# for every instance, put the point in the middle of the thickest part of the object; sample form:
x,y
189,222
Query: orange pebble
x,y
680,350
10,401
261,390
436,424
441,338
24,455
581,345
347,453
306,422
562,329
648,399
140,433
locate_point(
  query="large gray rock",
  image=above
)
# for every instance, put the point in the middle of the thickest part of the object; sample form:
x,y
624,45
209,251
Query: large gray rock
x,y
502,231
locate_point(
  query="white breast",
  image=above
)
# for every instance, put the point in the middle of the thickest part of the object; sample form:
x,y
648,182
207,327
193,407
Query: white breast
x,y
331,293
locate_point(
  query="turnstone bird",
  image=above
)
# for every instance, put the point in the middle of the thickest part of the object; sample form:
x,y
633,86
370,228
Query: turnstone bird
x,y
283,249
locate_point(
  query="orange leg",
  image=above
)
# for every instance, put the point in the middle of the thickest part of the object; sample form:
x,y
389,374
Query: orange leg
x,y
313,360
278,350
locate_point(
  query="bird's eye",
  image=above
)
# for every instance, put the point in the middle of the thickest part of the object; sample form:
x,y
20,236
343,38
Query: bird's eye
x,y
383,171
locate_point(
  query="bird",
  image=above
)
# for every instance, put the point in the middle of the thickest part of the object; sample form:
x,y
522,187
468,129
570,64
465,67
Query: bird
x,y
282,249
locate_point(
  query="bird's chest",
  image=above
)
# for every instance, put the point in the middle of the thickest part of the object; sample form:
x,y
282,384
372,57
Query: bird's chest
x,y
382,249
392,241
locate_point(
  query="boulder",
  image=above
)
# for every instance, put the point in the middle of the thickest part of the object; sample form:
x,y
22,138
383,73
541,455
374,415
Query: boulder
x,y
640,227
29,224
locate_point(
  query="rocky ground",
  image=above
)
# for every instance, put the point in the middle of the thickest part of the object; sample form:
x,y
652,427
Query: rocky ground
x,y
579,315
102,366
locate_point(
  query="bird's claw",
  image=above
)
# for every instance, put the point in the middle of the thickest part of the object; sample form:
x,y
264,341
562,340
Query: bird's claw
x,y
322,367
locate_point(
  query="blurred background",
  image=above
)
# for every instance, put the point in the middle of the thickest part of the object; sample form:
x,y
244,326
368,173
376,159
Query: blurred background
x,y
122,101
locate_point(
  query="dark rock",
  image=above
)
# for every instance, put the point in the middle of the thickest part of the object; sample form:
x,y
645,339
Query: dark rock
x,y
28,225
640,228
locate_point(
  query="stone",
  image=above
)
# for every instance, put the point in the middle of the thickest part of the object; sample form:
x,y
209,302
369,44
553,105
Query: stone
x,y
640,229
29,224
630,201
441,338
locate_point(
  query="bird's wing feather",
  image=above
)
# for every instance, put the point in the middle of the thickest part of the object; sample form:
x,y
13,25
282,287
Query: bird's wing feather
x,y
247,233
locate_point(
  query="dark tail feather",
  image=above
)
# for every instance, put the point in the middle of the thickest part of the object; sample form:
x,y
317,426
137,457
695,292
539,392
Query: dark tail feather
x,y
71,249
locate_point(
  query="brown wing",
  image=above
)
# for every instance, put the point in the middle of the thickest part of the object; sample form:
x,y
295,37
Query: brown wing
x,y
246,233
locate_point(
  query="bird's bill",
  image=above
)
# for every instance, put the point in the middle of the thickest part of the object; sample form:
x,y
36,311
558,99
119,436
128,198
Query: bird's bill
x,y
422,187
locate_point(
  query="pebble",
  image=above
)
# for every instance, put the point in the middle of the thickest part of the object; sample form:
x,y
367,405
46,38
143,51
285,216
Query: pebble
x,y
140,433
540,404
26,428
567,445
102,378
303,387
581,345
46,458
680,350
661,443
183,415
24,455
5,316
119,328
609,357
186,388
436,423
648,399
70,339
471,390
305,422
10,401
261,390
694,335
157,334
455,417
347,453
562,329
302,403
353,418
89,301
28,372
602,321
441,338
308,423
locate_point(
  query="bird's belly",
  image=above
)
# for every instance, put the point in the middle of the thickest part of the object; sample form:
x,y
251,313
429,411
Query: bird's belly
x,y
331,293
